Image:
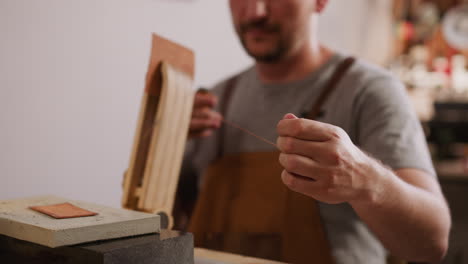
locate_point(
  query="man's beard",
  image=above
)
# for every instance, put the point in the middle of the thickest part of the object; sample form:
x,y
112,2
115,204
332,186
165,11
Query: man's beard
x,y
276,53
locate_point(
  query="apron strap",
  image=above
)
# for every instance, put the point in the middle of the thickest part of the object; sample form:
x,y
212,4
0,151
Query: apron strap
x,y
337,76
224,106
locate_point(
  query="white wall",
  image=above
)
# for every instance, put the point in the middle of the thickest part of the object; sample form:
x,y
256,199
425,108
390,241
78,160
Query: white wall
x,y
72,74
359,27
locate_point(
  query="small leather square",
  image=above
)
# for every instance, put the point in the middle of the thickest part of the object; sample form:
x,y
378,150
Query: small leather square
x,y
63,210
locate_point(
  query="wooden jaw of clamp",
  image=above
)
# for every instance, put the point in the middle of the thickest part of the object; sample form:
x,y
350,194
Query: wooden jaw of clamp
x,y
151,180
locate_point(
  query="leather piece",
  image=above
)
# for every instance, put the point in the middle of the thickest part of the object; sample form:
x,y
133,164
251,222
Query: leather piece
x,y
62,211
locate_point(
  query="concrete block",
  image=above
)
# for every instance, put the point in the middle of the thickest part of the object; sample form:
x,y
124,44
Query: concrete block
x,y
18,221
168,247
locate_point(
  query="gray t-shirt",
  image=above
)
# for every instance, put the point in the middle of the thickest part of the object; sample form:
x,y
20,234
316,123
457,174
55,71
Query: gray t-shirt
x,y
369,104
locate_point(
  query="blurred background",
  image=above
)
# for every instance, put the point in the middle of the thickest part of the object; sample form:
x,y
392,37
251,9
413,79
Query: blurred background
x,y
72,75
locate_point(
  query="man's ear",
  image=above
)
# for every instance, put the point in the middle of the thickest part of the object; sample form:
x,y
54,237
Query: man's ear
x,y
320,5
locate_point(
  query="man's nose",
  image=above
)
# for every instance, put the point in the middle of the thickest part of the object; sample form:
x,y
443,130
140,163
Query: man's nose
x,y
256,9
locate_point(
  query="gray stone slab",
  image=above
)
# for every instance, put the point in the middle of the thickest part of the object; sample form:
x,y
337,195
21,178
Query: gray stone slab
x,y
168,247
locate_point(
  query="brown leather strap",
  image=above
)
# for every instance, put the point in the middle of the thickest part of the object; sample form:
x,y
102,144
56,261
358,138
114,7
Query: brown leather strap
x,y
224,106
337,76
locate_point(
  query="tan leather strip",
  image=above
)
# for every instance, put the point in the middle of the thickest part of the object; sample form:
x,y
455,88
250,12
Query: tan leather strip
x,y
63,210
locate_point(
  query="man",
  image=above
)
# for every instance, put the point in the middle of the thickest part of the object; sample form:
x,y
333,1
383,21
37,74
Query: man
x,y
366,160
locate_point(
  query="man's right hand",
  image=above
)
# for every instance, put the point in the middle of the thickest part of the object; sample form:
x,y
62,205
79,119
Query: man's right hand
x,y
204,119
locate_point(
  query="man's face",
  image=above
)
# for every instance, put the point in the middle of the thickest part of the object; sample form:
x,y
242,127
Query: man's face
x,y
270,30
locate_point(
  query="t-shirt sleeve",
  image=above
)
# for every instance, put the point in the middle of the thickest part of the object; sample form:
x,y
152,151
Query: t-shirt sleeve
x,y
388,128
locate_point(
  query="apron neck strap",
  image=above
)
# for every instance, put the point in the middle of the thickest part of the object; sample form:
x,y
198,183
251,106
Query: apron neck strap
x,y
224,104
335,79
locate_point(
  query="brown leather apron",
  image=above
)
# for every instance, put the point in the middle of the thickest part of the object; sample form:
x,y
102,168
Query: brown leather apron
x,y
244,207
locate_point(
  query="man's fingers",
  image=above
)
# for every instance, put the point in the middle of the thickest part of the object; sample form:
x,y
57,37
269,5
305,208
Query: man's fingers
x,y
201,134
203,99
305,129
205,117
300,184
312,149
206,113
197,124
300,165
